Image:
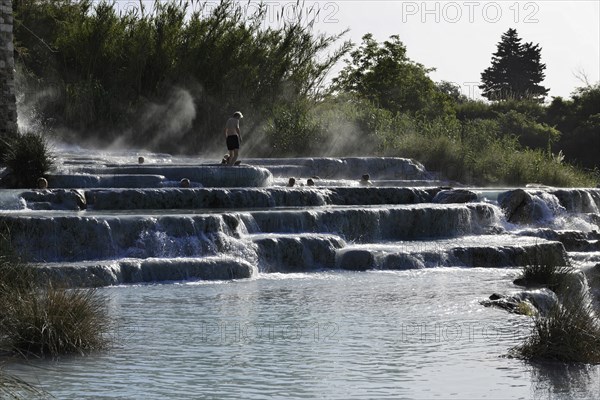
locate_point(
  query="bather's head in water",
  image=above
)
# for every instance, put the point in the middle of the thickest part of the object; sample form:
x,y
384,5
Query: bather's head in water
x,y
42,183
184,183
291,182
365,180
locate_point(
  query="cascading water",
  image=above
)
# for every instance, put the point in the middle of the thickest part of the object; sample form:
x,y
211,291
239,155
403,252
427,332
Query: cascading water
x,y
244,247
265,224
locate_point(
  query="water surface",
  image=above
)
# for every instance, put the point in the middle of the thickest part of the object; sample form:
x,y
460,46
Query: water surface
x,y
418,334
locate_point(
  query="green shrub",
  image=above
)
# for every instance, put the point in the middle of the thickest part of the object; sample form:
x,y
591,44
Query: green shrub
x,y
293,131
530,133
45,319
532,109
547,275
476,152
52,321
472,109
28,158
570,333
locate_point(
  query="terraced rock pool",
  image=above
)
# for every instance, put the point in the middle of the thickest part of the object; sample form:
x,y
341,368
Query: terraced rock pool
x,y
241,287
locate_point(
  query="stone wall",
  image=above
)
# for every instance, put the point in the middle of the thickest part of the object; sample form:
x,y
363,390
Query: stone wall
x,y
8,106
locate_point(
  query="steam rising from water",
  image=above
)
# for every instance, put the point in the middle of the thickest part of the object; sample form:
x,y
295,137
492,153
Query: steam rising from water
x,y
169,121
31,98
163,125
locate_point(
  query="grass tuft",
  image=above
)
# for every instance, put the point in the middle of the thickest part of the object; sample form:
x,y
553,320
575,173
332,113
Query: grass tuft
x,y
45,319
54,321
551,276
570,333
28,158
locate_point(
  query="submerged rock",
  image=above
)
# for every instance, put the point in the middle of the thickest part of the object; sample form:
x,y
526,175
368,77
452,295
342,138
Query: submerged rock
x,y
174,198
356,260
400,261
519,207
527,302
455,196
293,253
83,181
127,271
345,167
579,200
205,175
594,219
571,240
55,199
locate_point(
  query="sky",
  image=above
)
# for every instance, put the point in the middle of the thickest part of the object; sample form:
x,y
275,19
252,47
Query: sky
x,y
457,38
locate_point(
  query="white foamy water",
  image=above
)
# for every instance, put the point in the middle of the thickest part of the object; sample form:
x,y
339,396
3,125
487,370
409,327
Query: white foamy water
x,y
335,335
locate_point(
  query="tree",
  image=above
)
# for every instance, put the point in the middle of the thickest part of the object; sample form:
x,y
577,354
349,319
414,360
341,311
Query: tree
x,y
452,90
384,75
578,119
516,71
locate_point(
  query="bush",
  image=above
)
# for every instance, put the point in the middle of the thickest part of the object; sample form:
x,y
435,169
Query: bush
x,y
530,133
570,333
110,70
293,131
472,109
46,319
53,321
28,158
547,275
532,109
475,152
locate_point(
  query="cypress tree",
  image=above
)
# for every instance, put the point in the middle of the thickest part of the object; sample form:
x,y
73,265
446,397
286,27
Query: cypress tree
x,y
516,71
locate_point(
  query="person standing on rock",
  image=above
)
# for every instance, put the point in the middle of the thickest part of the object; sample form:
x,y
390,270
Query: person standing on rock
x,y
233,136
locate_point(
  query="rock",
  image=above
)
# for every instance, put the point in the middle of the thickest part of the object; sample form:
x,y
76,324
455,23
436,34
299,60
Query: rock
x,y
402,262
519,207
55,199
454,196
540,301
106,273
357,260
572,240
72,199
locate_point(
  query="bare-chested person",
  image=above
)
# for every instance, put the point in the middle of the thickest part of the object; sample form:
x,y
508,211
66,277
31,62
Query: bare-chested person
x,y
233,136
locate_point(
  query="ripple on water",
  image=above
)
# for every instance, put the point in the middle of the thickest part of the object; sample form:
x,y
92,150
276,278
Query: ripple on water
x,y
334,334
